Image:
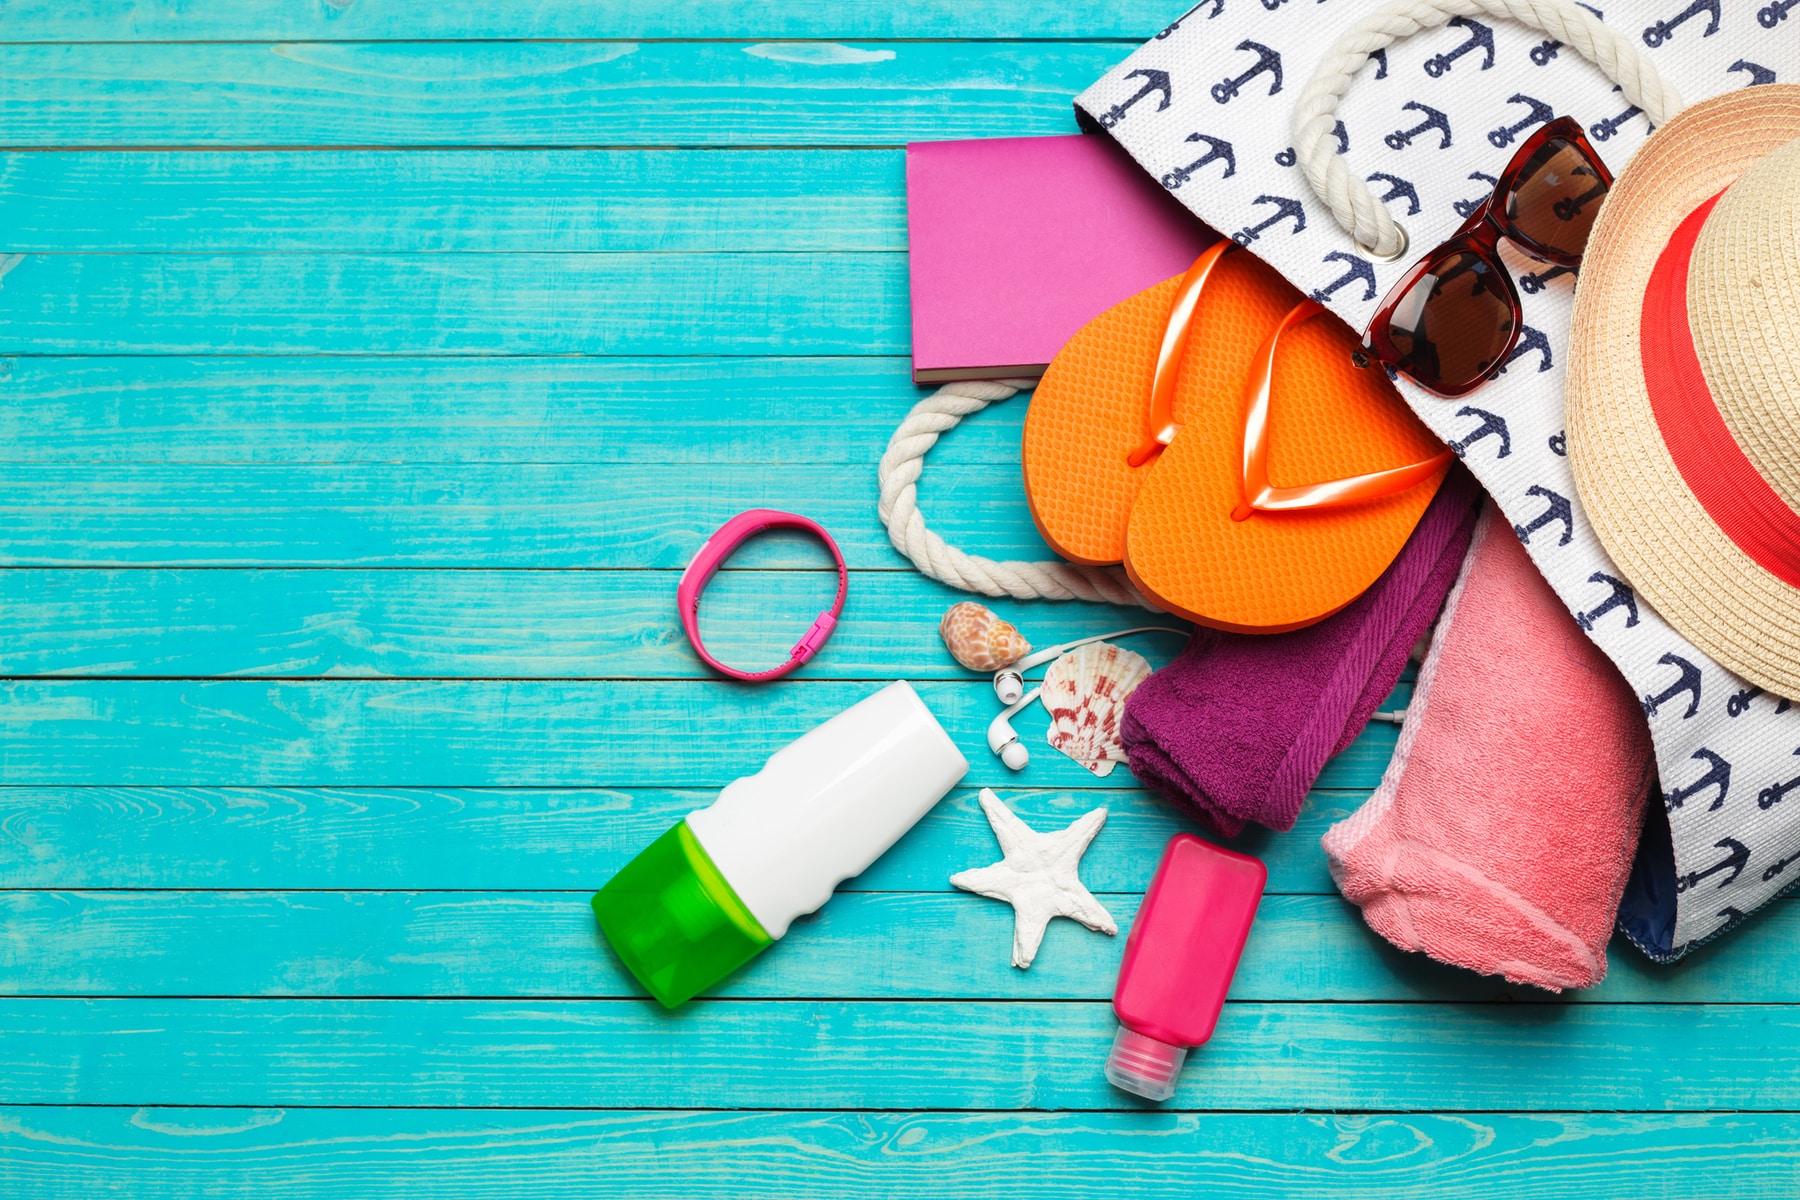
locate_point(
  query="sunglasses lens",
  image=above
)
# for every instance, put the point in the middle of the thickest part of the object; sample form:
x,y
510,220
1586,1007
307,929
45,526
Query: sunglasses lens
x,y
1453,325
1556,199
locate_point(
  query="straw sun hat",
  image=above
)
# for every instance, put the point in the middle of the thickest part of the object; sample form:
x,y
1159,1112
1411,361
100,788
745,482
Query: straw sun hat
x,y
1684,379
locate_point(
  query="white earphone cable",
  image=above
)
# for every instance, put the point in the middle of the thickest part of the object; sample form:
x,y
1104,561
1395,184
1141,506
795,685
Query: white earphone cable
x,y
898,477
1315,113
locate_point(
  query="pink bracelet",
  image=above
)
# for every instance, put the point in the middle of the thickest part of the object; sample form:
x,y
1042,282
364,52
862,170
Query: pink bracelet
x,y
717,549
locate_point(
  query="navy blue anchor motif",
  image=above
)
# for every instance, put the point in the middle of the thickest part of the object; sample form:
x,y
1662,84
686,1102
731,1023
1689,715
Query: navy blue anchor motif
x,y
1559,445
1398,189
1534,283
1481,37
1557,511
1718,774
1154,81
1758,74
1740,703
1466,208
1268,61
1622,597
1434,121
1602,131
1218,7
1689,683
1779,865
1736,856
1285,209
1775,793
1492,425
1774,13
1287,157
1530,341
1662,31
1540,113
1732,917
1360,269
1379,57
1216,149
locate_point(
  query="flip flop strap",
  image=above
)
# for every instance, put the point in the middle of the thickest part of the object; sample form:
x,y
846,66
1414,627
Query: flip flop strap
x,y
1162,426
1259,495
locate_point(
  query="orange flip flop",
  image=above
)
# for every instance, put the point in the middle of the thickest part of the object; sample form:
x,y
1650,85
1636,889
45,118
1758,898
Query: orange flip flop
x,y
1255,480
1087,446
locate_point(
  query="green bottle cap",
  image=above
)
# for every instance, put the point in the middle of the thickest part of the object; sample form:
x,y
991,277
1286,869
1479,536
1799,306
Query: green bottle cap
x,y
674,921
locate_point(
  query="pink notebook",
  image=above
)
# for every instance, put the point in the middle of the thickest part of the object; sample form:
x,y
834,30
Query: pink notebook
x,y
1017,242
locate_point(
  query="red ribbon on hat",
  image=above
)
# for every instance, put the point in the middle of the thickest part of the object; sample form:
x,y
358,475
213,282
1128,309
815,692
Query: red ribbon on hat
x,y
1715,468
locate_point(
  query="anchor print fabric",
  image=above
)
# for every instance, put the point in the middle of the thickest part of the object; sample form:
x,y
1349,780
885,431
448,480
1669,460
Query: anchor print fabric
x,y
1205,107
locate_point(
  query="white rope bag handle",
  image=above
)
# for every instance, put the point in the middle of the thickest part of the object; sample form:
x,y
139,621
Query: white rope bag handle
x,y
899,474
1363,216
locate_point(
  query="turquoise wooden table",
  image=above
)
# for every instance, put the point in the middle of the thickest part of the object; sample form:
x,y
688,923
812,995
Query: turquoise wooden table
x,y
368,371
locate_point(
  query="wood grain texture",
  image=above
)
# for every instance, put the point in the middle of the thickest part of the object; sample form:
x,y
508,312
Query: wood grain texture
x,y
476,733
59,1153
591,304
862,945
805,1054
261,20
539,94
493,624
535,201
444,385
599,516
527,838
357,409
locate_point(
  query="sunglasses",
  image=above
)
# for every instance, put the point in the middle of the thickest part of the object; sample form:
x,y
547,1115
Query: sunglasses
x,y
1452,321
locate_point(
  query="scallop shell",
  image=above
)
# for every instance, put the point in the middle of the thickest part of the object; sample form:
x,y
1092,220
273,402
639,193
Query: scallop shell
x,y
1085,692
979,640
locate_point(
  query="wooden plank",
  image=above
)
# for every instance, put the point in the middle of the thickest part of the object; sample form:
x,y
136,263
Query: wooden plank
x,y
505,304
453,200
472,733
650,515
862,945
59,1153
489,624
353,409
446,839
539,94
600,516
260,20
806,1054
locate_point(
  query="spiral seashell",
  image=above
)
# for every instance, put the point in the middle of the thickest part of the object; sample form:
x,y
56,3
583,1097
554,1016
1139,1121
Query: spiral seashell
x,y
979,640
1085,692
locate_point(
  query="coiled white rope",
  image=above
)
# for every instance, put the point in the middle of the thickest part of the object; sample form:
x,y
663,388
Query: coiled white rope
x,y
899,474
1315,142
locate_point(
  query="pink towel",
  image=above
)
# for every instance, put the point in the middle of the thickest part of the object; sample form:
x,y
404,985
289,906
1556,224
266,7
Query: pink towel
x,y
1501,836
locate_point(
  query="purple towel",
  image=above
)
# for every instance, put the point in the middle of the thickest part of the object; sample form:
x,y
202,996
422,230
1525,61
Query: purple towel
x,y
1239,726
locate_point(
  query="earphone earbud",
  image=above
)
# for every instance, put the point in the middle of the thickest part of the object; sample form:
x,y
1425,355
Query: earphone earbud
x,y
1009,682
1004,740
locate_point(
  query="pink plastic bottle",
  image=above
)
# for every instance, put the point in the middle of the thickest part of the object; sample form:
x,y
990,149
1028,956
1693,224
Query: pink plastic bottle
x,y
1179,960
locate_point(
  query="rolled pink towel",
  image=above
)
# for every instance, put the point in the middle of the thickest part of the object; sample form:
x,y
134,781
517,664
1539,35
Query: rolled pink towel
x,y
1502,834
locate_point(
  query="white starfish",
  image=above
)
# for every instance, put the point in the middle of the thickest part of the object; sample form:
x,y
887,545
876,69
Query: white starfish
x,y
1038,876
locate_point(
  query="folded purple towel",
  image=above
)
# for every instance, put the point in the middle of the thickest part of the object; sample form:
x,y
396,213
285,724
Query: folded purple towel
x,y
1239,726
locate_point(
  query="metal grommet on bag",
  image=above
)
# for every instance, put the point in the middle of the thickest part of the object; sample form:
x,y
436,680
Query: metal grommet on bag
x,y
1397,255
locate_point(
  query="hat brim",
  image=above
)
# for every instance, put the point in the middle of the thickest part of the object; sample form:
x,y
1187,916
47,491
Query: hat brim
x,y
1646,516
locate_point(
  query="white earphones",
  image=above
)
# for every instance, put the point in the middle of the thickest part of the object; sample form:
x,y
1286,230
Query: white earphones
x,y
1009,685
1009,682
1004,740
